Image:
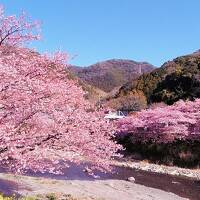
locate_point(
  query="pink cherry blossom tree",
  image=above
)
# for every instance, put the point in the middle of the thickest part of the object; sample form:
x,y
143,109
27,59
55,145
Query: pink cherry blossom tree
x,y
16,31
44,119
180,121
45,122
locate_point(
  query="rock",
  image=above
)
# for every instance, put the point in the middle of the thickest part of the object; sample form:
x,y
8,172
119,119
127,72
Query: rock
x,y
175,172
190,175
159,170
174,182
110,184
131,179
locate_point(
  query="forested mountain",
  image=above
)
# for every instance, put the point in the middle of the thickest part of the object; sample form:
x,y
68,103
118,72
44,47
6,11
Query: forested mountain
x,y
174,80
110,74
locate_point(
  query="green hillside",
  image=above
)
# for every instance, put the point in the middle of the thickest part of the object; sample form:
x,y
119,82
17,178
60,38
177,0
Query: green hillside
x,y
174,80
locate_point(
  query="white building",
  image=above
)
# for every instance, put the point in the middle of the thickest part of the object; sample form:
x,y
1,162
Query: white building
x,y
114,115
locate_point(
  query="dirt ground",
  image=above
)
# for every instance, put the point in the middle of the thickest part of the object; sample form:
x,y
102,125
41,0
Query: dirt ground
x,y
90,189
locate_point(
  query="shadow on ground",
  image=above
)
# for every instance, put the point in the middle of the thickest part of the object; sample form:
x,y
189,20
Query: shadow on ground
x,y
9,188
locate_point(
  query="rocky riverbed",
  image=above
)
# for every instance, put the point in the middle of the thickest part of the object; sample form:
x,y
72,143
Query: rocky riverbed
x,y
193,174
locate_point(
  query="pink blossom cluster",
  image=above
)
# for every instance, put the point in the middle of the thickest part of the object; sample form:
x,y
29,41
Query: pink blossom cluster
x,y
16,31
180,121
45,122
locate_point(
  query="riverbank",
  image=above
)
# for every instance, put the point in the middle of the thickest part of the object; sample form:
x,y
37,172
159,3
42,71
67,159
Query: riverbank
x,y
193,174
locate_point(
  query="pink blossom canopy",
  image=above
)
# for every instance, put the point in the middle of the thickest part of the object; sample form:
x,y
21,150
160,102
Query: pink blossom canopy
x,y
180,121
44,119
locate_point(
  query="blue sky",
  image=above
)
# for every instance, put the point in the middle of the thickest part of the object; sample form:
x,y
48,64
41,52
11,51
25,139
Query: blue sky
x,y
96,30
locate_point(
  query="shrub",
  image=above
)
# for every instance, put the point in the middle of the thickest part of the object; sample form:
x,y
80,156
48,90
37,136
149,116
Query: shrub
x,y
180,153
129,103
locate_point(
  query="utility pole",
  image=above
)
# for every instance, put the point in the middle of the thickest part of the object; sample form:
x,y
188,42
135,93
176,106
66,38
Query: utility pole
x,y
140,69
99,102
